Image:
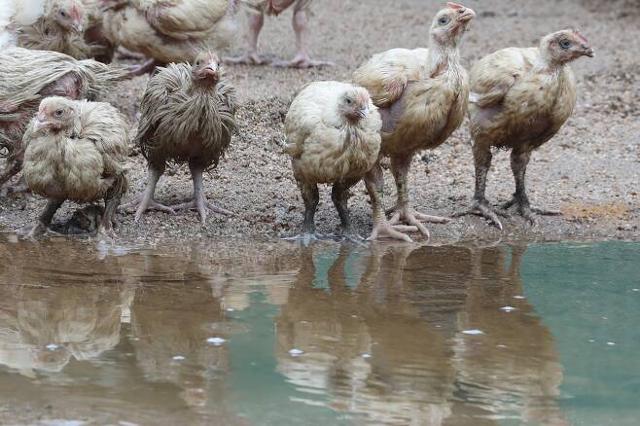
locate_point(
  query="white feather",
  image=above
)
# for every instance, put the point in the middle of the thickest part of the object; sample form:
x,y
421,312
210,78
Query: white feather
x,y
25,12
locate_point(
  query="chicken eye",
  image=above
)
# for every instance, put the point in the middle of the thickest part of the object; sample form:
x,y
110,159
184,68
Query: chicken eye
x,y
63,13
565,44
444,20
58,113
349,101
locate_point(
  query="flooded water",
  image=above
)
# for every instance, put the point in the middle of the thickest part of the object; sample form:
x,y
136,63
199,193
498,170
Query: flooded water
x,y
326,335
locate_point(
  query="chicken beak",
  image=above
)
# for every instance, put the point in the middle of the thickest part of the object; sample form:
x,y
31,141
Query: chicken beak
x,y
77,27
466,14
363,112
212,70
40,123
588,51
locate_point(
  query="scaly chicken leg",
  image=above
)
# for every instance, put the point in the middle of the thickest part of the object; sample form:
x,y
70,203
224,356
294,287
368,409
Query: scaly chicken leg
x,y
145,201
311,198
111,202
381,227
400,166
300,23
256,22
44,220
482,158
199,201
340,198
519,162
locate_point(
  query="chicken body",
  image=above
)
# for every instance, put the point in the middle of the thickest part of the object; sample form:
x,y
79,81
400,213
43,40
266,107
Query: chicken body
x,y
45,25
28,76
333,134
520,98
187,116
422,95
76,150
258,9
168,30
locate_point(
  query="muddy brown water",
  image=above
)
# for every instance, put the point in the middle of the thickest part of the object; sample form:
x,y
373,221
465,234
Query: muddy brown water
x,y
278,334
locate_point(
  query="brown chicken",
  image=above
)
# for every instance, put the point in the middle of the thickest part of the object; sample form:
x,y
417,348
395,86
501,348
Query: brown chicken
x,y
520,97
168,31
422,95
187,116
300,22
333,135
28,76
76,150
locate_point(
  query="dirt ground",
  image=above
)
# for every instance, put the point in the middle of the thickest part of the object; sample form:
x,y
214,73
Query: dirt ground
x,y
590,170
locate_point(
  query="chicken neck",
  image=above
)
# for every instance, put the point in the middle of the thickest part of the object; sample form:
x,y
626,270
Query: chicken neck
x,y
443,58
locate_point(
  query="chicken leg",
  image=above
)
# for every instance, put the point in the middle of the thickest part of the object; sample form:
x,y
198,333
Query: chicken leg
x,y
44,220
381,227
482,159
300,23
145,201
256,22
340,198
311,198
519,162
111,202
199,201
400,166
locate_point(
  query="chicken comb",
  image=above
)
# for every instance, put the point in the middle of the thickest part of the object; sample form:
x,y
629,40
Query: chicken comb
x,y
579,35
455,6
75,12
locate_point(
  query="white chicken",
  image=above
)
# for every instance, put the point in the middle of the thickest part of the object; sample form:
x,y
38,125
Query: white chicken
x,y
333,134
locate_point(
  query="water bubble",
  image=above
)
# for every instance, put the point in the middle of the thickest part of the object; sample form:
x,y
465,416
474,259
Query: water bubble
x,y
611,343
591,340
501,346
518,297
215,341
636,289
295,352
178,358
507,309
52,346
230,309
365,355
605,318
473,332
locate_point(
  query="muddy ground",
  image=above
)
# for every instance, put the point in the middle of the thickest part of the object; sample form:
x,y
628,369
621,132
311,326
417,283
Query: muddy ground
x,y
590,170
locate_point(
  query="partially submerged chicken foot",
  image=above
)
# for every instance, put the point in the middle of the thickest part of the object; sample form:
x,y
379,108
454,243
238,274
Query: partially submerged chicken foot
x,y
44,220
311,198
199,201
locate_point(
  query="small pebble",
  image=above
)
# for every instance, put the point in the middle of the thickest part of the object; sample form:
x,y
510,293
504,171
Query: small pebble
x,y
366,356
178,358
215,341
52,346
518,297
295,352
507,309
230,309
473,332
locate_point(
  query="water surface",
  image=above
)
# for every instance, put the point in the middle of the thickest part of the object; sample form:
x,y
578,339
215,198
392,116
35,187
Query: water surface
x,y
326,335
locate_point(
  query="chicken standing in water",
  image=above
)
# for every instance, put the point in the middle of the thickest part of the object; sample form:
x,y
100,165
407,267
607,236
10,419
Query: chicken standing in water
x,y
28,76
187,116
300,23
520,97
76,150
422,95
333,134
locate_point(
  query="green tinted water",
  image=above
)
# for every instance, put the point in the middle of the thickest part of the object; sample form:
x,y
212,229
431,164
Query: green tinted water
x,y
327,335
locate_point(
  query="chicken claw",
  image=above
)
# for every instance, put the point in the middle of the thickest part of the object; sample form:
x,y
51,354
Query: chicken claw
x,y
141,204
482,210
414,218
306,238
201,204
246,59
525,210
302,62
386,229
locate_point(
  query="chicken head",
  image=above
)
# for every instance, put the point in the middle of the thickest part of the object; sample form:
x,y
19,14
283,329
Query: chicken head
x,y
69,14
355,104
206,68
55,114
565,46
450,23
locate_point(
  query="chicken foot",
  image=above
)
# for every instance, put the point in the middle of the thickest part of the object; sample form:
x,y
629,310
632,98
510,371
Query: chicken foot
x,y
145,201
311,198
199,201
340,198
519,162
256,22
44,220
300,23
381,226
482,158
111,202
404,213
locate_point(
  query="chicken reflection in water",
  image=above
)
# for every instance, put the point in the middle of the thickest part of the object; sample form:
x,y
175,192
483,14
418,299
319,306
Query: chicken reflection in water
x,y
45,323
385,339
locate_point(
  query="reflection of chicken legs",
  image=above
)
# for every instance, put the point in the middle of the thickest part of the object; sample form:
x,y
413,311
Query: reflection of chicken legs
x,y
381,227
404,213
145,201
199,201
519,162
